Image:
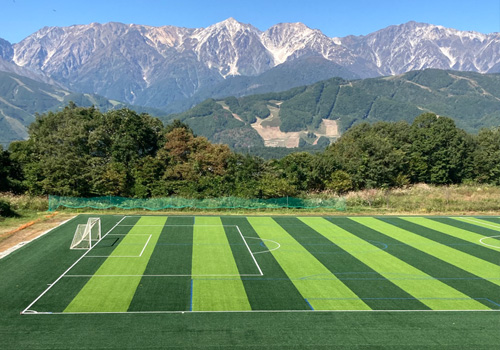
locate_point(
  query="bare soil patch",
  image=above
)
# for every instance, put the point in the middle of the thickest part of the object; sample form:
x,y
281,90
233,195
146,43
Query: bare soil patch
x,y
11,236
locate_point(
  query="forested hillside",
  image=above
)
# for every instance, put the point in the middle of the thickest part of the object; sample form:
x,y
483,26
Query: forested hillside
x,y
84,152
471,99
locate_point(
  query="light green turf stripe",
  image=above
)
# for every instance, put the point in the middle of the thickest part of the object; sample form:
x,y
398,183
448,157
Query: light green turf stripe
x,y
322,289
114,294
464,261
433,293
212,255
478,222
449,230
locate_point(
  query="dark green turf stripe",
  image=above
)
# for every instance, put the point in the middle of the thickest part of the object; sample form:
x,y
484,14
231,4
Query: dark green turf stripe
x,y
495,220
217,284
273,291
449,274
369,285
171,256
493,224
454,237
471,225
464,261
241,253
112,287
327,293
433,293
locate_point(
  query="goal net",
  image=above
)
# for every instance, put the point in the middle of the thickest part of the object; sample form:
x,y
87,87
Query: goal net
x,y
87,235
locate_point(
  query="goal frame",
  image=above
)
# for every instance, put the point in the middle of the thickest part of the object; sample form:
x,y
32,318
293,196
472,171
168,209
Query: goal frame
x,y
87,235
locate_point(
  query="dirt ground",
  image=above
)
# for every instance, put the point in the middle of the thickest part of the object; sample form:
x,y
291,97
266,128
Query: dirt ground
x,y
25,232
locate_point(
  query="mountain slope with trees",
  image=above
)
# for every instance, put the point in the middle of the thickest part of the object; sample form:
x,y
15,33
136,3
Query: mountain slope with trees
x,y
471,99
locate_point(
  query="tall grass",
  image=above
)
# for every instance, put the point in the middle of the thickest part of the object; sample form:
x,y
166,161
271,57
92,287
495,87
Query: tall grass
x,y
426,199
416,199
22,203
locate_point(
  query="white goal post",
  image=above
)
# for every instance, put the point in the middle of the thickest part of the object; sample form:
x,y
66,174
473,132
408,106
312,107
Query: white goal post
x,y
87,235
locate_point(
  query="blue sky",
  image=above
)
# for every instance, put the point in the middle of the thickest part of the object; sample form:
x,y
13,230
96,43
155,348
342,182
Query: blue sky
x,y
21,18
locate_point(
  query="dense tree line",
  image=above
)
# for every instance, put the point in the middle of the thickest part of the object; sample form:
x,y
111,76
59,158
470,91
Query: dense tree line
x,y
83,152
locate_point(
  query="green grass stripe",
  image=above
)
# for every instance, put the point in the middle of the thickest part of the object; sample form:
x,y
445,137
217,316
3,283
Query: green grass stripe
x,y
435,294
374,289
171,256
273,291
492,225
302,267
466,262
453,236
212,255
114,294
448,229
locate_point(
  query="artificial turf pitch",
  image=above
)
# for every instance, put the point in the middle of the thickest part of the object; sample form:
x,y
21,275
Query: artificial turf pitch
x,y
322,281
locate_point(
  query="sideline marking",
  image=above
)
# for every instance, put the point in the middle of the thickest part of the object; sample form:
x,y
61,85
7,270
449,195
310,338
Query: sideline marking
x,y
32,312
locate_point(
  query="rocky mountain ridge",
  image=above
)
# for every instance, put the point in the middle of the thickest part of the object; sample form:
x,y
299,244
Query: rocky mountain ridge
x,y
161,66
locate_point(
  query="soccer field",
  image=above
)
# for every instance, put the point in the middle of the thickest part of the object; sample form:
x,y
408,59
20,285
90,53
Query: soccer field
x,y
186,264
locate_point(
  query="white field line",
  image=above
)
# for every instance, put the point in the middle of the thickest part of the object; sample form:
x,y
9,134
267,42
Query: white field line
x,y
248,311
489,245
191,225
253,257
482,223
65,272
486,224
269,240
145,245
238,275
128,234
124,256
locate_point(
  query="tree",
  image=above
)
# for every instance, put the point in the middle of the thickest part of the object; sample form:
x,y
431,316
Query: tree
x,y
439,151
298,170
82,152
4,170
486,157
340,182
372,155
190,161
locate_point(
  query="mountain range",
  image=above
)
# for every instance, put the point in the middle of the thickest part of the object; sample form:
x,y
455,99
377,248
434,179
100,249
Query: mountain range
x,y
174,68
161,66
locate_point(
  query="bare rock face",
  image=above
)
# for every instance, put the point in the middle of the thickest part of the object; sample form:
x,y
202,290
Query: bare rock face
x,y
157,66
416,46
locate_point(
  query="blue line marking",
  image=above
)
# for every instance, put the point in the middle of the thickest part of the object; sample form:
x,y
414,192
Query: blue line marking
x,y
308,303
491,301
191,297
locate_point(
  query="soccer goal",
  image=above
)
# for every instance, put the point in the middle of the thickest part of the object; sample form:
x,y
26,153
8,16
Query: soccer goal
x,y
87,235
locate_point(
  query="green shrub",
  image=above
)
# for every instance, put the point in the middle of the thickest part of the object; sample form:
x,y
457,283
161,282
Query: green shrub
x,y
6,210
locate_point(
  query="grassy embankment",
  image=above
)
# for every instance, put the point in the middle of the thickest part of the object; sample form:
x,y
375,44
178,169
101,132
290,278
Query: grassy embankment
x,y
414,200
